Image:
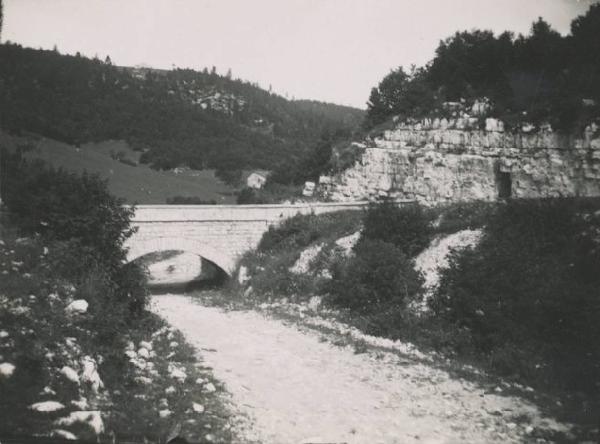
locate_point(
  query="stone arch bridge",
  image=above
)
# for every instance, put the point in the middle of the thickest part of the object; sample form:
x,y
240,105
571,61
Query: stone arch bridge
x,y
218,233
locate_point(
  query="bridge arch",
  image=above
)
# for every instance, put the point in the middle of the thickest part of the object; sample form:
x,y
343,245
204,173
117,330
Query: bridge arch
x,y
140,247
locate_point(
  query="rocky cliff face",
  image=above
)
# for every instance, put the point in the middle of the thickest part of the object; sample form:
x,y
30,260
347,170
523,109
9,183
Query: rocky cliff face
x,y
437,161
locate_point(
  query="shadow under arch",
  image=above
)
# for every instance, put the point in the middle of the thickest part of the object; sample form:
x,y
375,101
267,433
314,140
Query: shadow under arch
x,y
140,247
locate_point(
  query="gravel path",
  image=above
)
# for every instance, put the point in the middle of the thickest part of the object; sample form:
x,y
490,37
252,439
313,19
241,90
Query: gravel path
x,y
298,388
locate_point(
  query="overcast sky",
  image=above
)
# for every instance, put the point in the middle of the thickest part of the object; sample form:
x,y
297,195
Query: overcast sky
x,y
331,50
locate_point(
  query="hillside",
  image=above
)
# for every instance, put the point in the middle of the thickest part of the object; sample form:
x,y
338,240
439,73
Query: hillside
x,y
180,117
136,184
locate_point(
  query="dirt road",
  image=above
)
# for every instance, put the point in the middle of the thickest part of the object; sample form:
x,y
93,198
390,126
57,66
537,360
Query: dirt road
x,y
297,387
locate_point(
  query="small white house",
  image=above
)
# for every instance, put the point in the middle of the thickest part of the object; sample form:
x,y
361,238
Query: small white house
x,y
257,179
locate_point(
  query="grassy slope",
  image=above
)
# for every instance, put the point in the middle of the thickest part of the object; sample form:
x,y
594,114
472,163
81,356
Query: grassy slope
x,y
139,184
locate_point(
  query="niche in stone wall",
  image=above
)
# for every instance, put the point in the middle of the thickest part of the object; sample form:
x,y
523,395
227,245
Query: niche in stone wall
x,y
503,184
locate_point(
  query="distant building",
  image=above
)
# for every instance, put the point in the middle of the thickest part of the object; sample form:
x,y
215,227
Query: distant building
x,y
309,189
257,179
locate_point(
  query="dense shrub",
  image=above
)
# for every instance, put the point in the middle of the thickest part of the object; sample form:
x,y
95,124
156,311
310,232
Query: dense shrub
x,y
248,196
462,215
528,293
378,277
76,213
407,227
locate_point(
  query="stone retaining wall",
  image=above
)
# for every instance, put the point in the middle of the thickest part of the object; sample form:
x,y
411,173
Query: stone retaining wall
x,y
437,161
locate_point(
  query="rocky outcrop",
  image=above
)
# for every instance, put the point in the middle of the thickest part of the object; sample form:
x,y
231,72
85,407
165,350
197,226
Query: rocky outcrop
x,y
460,159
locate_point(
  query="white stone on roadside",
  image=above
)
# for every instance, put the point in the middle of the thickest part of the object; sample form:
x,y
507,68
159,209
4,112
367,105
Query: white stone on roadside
x,y
70,374
90,417
209,388
165,413
144,380
144,353
7,369
131,354
47,406
78,306
4,334
198,408
65,434
81,404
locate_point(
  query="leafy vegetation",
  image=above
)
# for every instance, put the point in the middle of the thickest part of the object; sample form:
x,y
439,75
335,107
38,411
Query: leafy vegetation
x,y
526,298
76,213
541,77
62,242
406,227
180,117
379,277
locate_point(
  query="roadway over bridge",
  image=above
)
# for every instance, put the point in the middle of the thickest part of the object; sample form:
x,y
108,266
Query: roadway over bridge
x,y
218,233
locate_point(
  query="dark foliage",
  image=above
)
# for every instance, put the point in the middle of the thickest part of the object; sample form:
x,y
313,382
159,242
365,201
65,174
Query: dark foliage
x,y
539,77
180,117
378,278
76,213
189,200
407,227
462,216
310,166
527,296
248,196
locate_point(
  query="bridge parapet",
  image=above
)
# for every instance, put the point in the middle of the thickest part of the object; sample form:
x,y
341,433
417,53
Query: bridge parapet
x,y
274,212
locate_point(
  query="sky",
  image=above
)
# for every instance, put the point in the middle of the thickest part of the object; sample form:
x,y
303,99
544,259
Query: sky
x,y
329,50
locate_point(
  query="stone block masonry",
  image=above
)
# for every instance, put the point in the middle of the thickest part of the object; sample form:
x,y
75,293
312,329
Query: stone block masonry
x,y
218,233
439,161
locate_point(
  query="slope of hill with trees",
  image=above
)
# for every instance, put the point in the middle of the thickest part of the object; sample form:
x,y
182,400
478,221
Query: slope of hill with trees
x,y
180,117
